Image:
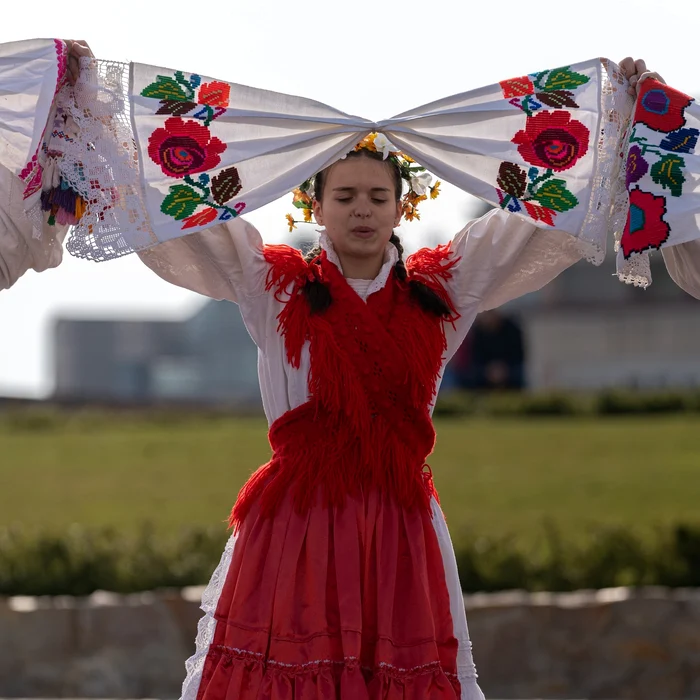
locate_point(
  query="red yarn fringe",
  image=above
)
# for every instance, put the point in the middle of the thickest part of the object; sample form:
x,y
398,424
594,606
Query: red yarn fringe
x,y
430,266
374,370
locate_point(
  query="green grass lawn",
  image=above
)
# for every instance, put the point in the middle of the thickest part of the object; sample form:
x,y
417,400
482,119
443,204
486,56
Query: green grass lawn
x,y
495,476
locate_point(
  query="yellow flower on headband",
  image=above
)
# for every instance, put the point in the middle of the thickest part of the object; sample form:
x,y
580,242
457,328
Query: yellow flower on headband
x,y
435,190
308,215
368,143
302,197
291,222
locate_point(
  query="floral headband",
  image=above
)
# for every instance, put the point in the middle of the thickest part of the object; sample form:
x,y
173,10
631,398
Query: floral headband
x,y
418,180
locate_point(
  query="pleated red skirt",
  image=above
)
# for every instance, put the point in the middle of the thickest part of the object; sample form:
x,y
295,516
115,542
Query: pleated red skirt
x,y
349,603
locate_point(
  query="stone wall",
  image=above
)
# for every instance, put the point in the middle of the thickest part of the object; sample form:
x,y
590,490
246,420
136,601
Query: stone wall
x,y
600,644
615,644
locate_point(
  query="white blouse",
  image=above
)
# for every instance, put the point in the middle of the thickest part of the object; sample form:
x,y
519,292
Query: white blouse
x,y
501,257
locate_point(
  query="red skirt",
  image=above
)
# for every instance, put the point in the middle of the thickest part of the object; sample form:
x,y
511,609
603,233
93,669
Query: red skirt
x,y
349,603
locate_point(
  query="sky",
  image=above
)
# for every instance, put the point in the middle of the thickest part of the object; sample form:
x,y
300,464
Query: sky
x,y
373,59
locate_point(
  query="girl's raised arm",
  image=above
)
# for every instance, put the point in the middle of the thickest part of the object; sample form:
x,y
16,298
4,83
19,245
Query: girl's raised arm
x,y
223,262
503,257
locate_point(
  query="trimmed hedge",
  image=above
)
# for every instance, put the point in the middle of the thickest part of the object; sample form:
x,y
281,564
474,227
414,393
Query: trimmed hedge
x,y
81,561
47,416
605,403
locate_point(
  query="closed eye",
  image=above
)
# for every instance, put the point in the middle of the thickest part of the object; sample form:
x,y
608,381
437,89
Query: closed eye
x,y
348,199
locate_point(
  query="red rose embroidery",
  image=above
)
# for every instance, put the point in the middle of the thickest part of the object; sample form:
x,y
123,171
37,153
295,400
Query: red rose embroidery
x,y
517,87
660,107
201,218
552,140
184,147
214,94
645,227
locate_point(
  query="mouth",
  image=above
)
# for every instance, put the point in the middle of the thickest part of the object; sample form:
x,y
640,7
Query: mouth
x,y
363,231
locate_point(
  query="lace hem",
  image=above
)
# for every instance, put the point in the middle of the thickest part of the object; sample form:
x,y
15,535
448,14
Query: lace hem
x,y
609,201
92,147
635,270
207,624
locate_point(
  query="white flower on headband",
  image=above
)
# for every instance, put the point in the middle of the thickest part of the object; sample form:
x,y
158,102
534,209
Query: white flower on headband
x,y
420,182
384,146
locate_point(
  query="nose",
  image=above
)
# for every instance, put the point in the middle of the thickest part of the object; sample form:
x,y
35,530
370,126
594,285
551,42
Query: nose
x,y
362,207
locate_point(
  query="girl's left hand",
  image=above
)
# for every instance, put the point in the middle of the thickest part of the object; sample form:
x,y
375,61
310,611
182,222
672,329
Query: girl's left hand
x,y
636,73
77,48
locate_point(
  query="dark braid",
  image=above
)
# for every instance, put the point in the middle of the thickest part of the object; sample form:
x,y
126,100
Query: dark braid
x,y
427,299
318,294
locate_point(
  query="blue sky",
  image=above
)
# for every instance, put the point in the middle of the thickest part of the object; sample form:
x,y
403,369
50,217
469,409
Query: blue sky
x,y
373,59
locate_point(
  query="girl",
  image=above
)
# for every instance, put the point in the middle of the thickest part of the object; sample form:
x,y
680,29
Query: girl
x,y
339,580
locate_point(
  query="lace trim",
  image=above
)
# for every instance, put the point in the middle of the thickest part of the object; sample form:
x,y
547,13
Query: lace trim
x,y
391,256
93,142
232,654
635,270
609,201
207,624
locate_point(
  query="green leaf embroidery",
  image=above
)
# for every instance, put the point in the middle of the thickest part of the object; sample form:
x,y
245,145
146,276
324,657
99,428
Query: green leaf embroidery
x,y
554,195
181,202
565,79
668,172
164,89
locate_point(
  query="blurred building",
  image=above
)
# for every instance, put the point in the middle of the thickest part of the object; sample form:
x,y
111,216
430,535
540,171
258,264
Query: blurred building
x,y
587,330
207,358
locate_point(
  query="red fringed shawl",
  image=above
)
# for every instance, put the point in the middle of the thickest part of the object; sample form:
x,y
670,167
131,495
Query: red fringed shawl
x,y
374,368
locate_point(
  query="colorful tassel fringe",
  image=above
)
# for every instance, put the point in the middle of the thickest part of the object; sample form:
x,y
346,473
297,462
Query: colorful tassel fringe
x,y
65,205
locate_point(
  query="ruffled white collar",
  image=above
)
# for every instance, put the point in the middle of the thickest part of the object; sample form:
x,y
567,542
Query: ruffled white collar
x,y
391,256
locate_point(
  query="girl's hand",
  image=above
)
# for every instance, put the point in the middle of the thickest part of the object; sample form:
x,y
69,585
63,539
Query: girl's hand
x,y
77,48
636,73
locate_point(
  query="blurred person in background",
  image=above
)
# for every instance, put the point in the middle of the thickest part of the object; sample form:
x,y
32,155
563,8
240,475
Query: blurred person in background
x,y
497,352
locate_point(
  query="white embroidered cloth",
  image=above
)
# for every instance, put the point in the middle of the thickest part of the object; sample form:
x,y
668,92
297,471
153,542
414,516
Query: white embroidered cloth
x,y
155,154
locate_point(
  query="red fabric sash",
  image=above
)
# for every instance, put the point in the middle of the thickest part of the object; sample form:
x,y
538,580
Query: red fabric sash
x,y
374,368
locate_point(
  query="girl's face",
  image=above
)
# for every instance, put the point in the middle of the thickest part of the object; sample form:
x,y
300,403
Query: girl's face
x,y
359,209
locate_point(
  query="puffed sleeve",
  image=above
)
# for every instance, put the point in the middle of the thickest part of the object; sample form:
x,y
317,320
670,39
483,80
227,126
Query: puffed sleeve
x,y
20,249
683,264
502,257
225,261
